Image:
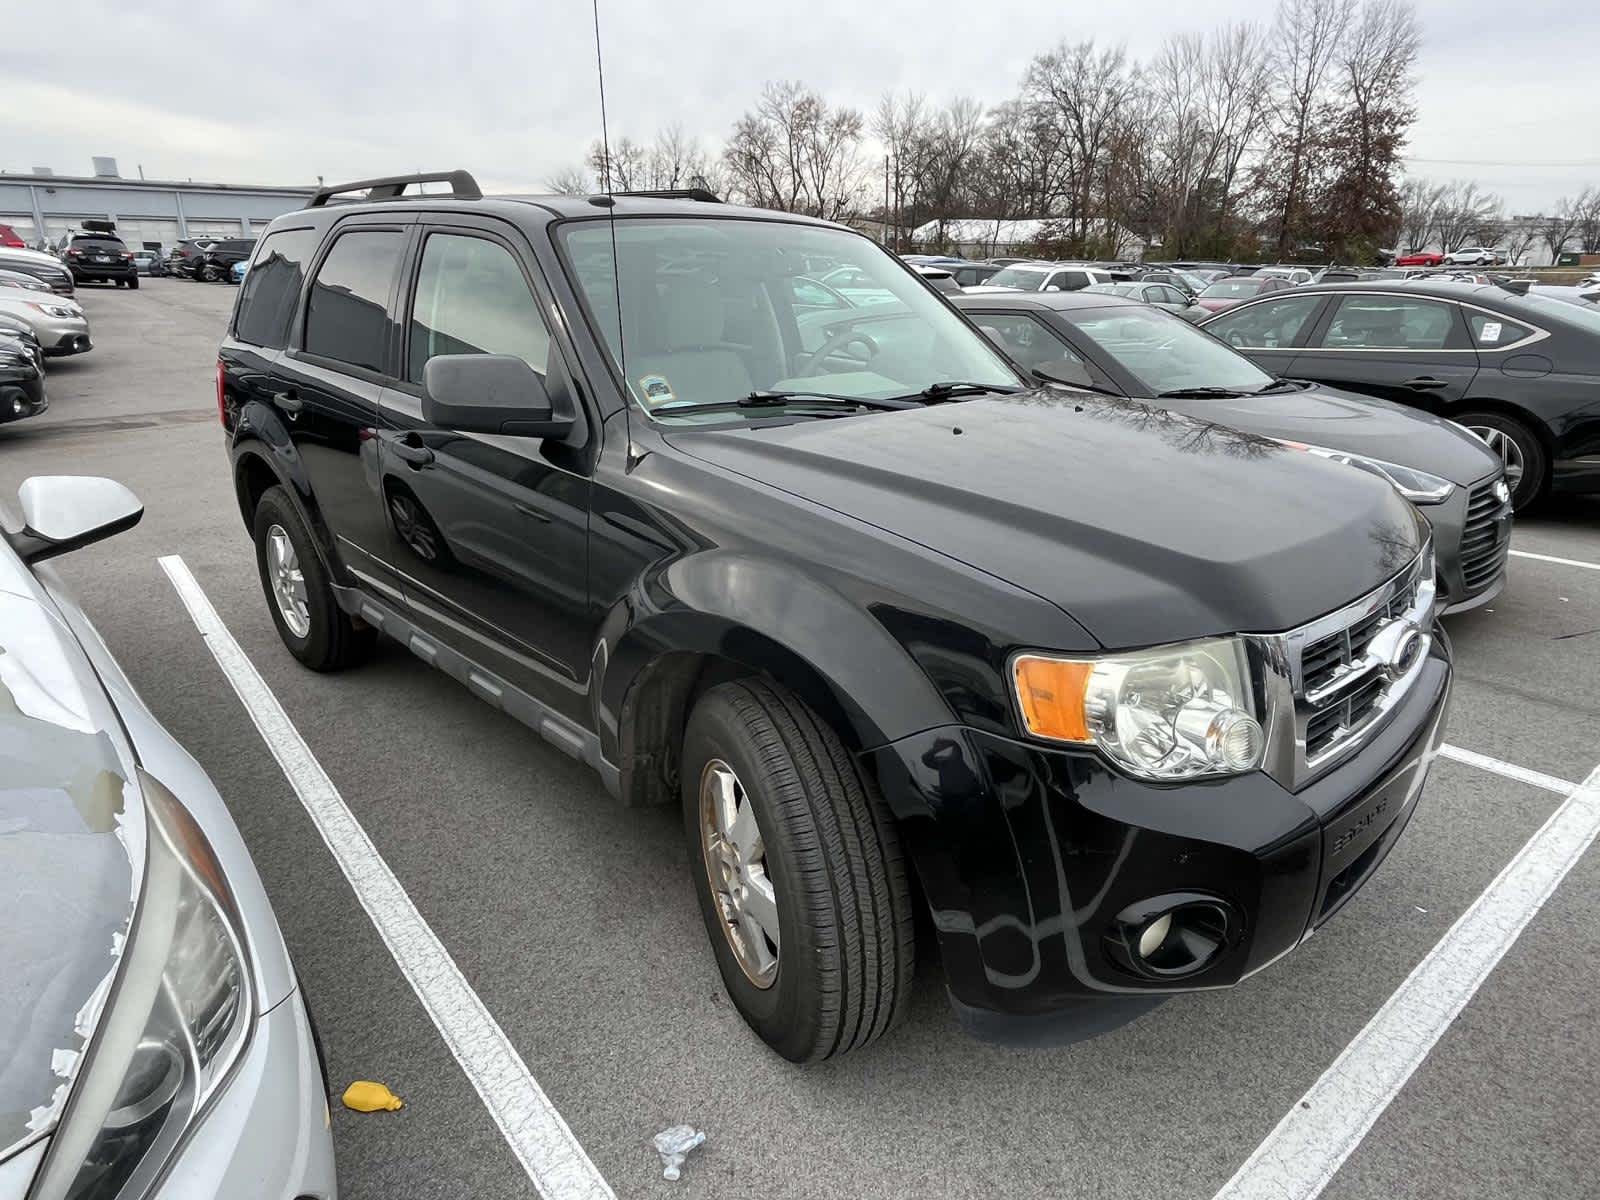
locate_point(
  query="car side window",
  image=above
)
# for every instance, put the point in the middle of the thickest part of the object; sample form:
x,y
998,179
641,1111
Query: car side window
x,y
808,293
1492,332
272,288
472,298
1273,325
1388,323
1025,339
347,316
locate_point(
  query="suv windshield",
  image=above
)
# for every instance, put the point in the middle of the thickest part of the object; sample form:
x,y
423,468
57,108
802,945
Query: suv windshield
x,y
1027,279
1165,353
715,309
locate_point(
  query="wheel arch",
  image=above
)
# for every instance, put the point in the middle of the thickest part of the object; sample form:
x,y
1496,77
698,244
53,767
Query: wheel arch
x,y
259,464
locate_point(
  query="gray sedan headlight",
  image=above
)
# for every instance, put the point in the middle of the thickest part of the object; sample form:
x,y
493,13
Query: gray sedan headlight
x,y
176,1022
1419,487
1171,712
56,310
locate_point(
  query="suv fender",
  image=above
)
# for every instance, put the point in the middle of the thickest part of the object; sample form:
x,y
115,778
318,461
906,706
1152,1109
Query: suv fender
x,y
717,616
263,455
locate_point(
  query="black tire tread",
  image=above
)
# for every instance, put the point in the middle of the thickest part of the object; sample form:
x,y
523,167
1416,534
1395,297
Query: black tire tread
x,y
856,870
334,642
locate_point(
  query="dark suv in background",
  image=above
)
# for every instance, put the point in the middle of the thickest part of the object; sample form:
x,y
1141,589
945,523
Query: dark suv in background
x,y
1139,699
184,258
98,258
216,260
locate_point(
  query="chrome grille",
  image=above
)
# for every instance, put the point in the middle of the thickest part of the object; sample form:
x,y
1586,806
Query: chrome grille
x,y
1485,539
1339,676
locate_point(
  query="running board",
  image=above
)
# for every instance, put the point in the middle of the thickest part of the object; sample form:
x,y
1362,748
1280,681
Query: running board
x,y
562,733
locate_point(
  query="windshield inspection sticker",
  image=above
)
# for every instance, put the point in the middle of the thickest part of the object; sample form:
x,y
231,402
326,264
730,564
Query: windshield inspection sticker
x,y
1491,332
656,390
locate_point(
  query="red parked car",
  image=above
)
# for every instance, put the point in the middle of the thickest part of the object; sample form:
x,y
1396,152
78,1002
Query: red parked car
x,y
1419,258
9,237
1236,289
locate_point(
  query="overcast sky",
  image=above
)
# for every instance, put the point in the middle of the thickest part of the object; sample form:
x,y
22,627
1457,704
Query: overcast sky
x,y
244,91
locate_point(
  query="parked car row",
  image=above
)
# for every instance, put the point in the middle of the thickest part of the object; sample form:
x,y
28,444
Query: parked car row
x,y
39,318
210,260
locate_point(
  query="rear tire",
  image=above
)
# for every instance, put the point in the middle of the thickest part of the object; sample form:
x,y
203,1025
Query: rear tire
x,y
326,638
831,856
134,283
1527,464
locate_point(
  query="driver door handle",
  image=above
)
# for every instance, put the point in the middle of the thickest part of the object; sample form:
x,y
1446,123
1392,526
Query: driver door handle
x,y
289,401
411,450
1426,383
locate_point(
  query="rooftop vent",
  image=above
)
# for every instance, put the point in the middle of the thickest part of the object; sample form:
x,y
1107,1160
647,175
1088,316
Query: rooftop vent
x,y
106,168
43,171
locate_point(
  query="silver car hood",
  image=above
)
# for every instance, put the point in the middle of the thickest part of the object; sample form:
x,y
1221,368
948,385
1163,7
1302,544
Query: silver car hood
x,y
72,835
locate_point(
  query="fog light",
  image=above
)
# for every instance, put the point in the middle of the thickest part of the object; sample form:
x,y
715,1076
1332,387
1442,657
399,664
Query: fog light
x,y
1154,935
18,405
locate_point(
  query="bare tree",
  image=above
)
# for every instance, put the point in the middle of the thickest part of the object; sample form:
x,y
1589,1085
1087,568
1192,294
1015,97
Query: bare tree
x,y
1419,204
903,125
623,169
1086,91
1587,207
1305,42
796,153
1464,213
571,181
1517,239
1560,225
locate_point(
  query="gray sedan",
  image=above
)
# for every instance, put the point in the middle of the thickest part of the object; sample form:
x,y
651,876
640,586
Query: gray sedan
x,y
57,322
1158,295
155,1043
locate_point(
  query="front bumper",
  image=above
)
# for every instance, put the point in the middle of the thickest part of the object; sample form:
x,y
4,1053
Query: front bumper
x,y
1028,854
63,335
268,1132
20,398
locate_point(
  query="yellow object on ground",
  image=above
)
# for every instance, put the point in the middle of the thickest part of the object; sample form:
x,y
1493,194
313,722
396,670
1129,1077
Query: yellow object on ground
x,y
365,1096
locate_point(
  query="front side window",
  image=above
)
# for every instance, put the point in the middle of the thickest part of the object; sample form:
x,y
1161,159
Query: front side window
x,y
1388,323
1273,325
1025,338
711,311
472,298
1165,353
272,288
347,318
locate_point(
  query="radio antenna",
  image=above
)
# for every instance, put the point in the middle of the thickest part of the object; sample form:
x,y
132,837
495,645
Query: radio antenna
x,y
611,220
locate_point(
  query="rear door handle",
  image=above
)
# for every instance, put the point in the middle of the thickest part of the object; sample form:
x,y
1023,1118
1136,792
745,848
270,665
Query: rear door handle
x,y
1426,383
289,401
413,453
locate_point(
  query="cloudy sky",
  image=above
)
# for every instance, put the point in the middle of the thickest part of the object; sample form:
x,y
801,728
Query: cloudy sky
x,y
246,91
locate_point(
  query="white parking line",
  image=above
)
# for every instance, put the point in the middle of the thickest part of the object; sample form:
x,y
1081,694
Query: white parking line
x,y
547,1149
1510,770
1550,558
1300,1156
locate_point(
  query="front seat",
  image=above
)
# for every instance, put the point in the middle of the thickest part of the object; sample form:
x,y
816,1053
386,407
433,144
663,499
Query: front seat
x,y
690,361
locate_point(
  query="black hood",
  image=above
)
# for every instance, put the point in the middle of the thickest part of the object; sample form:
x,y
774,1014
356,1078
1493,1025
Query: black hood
x,y
1144,525
1325,416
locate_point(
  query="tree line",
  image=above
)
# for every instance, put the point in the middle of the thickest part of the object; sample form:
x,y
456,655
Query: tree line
x,y
1281,139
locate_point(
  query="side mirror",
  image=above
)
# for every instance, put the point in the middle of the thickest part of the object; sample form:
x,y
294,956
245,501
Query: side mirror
x,y
490,393
1065,370
63,512
1054,287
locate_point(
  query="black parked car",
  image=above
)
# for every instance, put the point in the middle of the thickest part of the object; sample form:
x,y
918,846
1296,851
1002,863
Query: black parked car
x,y
184,258
845,589
21,382
1522,372
969,274
216,260
1122,347
99,258
16,334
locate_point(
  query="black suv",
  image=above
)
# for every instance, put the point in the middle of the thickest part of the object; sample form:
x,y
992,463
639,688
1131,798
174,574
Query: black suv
x,y
216,260
184,259
98,257
1138,699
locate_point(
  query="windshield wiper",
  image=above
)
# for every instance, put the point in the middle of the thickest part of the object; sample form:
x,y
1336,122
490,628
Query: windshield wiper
x,y
783,399
1214,393
949,389
1279,385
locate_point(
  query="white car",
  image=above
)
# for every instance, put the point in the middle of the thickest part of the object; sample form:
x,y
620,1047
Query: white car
x,y
157,1044
57,322
1472,256
1298,276
1042,277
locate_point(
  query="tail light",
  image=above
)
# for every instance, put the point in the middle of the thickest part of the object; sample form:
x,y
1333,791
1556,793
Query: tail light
x,y
222,403
74,253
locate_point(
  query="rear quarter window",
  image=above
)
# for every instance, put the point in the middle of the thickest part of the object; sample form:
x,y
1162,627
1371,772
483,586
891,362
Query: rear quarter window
x,y
267,300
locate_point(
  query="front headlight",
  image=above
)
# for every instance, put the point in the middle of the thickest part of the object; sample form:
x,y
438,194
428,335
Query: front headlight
x,y
57,310
1419,487
1172,712
175,1024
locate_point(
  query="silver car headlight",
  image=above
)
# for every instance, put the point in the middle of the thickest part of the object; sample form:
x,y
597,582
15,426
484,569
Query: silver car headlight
x,y
56,310
1419,487
174,1026
1170,712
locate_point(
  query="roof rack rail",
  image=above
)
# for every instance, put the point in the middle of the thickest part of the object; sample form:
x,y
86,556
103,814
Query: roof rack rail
x,y
704,195
392,187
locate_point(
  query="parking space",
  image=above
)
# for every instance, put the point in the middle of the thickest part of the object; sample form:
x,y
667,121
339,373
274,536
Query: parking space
x,y
573,920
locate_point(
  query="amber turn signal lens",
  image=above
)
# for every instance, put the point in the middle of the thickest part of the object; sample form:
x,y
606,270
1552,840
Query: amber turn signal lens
x,y
1051,693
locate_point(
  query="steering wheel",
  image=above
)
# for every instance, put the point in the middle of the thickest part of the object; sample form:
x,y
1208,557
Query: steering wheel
x,y
1235,339
848,336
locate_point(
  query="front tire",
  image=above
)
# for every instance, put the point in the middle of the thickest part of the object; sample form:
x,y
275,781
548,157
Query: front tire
x,y
134,283
312,625
1527,465
799,872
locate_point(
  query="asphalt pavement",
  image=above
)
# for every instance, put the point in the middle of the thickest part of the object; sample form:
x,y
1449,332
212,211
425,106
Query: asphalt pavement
x,y
574,921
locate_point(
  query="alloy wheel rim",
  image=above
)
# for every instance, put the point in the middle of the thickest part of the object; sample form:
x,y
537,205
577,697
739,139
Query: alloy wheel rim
x,y
735,858
1506,447
412,529
288,581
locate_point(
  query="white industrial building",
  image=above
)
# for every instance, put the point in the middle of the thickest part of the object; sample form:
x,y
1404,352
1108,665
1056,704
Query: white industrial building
x,y
42,205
